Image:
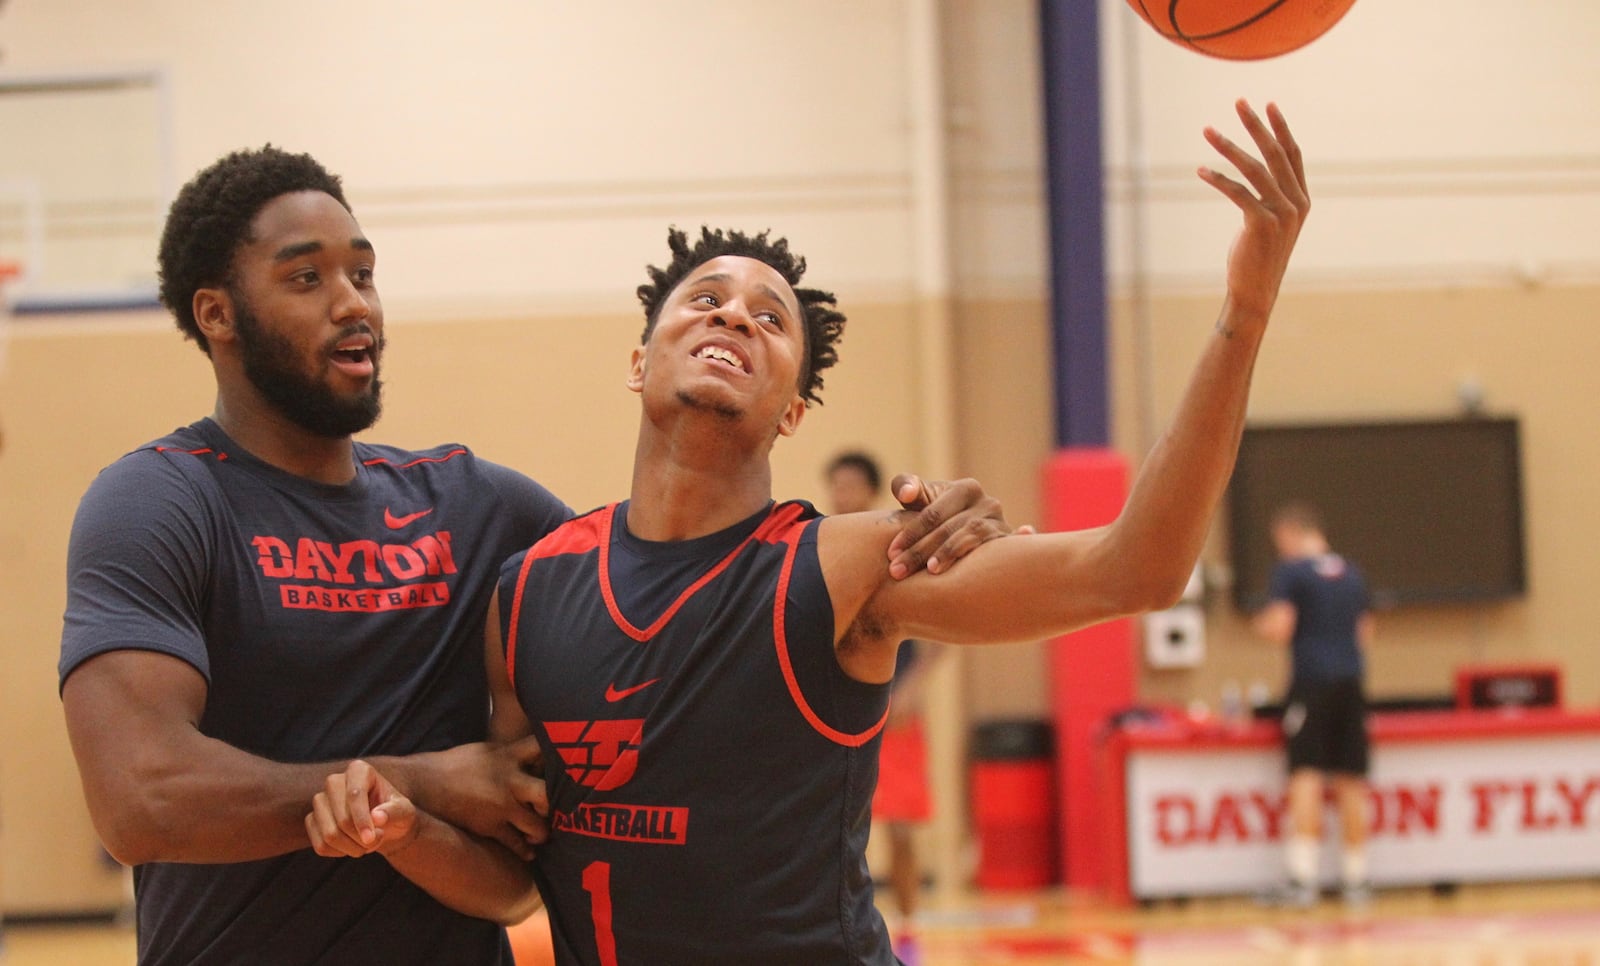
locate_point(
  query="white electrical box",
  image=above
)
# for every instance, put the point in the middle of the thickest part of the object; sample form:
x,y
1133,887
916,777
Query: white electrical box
x,y
1175,637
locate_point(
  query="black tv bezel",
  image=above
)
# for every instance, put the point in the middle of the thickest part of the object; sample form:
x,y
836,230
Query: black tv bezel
x,y
1509,428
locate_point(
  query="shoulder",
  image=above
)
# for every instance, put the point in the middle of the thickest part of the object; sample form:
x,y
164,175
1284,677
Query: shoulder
x,y
575,535
529,509
172,472
522,490
789,521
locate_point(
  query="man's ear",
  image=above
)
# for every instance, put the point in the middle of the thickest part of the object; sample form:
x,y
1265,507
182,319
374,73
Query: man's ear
x,y
213,313
636,370
789,423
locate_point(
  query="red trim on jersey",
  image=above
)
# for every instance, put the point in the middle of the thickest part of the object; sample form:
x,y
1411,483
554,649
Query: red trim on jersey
x,y
510,642
781,636
191,452
579,535
768,532
421,459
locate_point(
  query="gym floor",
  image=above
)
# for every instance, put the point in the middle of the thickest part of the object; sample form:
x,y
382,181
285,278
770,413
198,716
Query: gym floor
x,y
1542,924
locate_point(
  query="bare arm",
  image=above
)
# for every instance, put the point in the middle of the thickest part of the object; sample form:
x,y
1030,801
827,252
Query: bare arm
x,y
1052,583
152,780
507,722
1275,622
945,522
359,812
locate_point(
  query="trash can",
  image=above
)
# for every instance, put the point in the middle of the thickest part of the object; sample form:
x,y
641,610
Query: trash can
x,y
1014,804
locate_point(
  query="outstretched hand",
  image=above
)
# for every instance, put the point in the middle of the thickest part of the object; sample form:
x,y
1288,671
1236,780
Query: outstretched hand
x,y
1273,211
950,520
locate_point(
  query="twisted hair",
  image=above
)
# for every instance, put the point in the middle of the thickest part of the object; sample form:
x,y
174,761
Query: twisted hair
x,y
824,324
211,218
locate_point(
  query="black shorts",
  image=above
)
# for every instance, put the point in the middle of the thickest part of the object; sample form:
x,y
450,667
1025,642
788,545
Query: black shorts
x,y
1325,727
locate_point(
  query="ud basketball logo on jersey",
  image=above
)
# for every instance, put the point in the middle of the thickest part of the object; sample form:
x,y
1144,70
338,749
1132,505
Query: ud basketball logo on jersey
x,y
603,755
360,575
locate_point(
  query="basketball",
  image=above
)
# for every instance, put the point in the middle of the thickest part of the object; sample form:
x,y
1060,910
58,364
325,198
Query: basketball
x,y
1241,29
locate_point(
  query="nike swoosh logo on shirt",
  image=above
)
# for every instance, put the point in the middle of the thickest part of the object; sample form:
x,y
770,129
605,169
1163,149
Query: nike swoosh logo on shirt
x,y
395,523
613,695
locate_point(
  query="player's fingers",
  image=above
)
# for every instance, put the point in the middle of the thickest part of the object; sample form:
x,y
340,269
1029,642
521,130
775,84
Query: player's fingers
x,y
1279,176
532,792
515,842
327,837
1291,148
1235,192
525,752
962,540
359,778
314,835
910,490
923,534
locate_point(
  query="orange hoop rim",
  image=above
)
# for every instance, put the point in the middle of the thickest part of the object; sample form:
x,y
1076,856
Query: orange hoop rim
x,y
9,270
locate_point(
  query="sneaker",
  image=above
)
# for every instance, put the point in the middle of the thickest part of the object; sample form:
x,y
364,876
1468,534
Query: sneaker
x,y
1289,895
1357,895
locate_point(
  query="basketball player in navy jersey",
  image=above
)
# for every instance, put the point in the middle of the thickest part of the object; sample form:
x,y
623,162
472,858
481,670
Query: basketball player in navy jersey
x,y
1319,607
256,599
707,670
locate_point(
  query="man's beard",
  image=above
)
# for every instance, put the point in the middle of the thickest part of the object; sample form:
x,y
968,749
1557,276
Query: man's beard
x,y
273,366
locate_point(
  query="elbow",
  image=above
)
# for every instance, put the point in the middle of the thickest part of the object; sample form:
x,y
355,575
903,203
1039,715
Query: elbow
x,y
136,828
129,840
1155,591
1168,594
517,912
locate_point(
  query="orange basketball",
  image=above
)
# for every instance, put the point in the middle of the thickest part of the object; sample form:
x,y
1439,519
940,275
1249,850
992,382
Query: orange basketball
x,y
1241,29
530,941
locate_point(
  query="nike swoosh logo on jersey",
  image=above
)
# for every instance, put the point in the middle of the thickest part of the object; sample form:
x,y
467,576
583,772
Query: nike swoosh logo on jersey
x,y
613,695
395,523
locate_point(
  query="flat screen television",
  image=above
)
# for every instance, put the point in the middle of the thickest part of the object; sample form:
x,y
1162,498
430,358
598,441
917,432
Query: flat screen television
x,y
1431,510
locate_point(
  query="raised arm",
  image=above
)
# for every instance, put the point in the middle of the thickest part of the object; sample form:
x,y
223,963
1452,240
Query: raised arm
x,y
1052,583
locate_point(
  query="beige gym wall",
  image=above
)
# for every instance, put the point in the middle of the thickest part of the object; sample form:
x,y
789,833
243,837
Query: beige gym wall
x,y
516,163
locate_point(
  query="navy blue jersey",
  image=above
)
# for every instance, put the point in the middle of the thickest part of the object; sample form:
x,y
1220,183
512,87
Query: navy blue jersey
x,y
710,765
1330,596
329,622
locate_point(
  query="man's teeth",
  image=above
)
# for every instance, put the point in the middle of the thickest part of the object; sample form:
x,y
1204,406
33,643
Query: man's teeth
x,y
716,352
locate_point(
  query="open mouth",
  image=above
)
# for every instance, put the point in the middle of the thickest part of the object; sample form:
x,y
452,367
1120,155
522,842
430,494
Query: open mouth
x,y
356,354
722,355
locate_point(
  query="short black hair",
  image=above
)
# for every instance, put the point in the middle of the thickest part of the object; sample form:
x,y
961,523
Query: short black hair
x,y
824,324
211,218
857,460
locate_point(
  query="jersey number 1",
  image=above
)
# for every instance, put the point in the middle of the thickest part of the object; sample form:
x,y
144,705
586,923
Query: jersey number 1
x,y
597,882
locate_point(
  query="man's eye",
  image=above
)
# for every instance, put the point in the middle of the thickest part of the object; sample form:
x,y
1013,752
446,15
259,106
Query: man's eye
x,y
707,298
771,318
307,277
